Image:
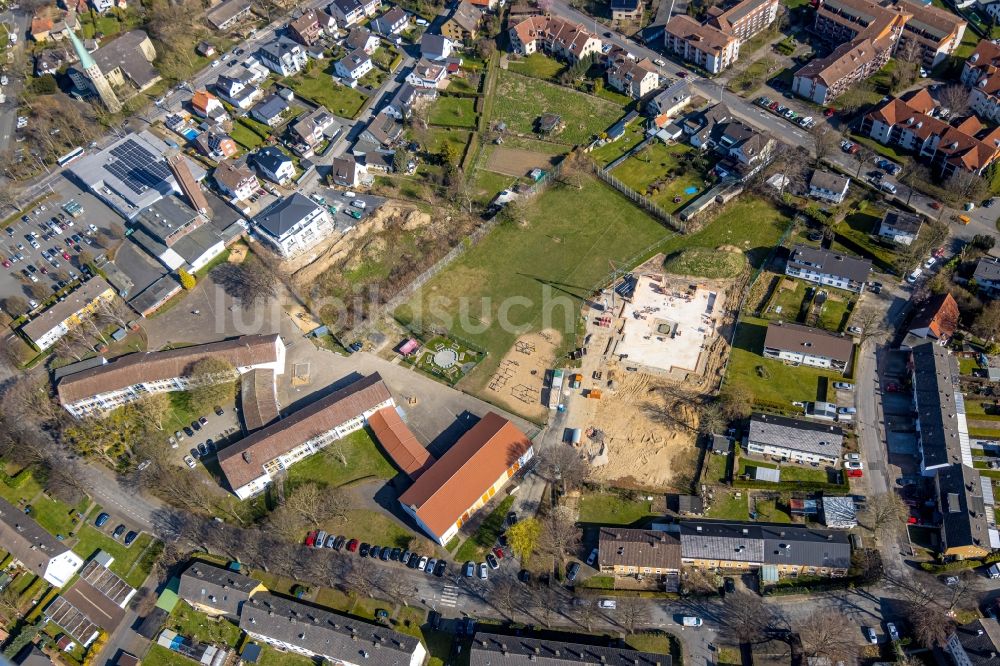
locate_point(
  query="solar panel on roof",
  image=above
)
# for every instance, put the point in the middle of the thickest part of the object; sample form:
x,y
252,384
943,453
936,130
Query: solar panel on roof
x,y
138,168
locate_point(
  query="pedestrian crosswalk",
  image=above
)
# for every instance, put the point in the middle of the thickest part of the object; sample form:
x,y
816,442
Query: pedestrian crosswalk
x,y
449,596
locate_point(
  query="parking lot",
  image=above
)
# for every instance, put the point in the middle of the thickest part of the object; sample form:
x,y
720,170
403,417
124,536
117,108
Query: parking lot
x,y
43,245
213,432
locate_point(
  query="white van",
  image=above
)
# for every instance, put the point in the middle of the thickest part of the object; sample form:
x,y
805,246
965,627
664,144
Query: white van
x,y
912,277
358,203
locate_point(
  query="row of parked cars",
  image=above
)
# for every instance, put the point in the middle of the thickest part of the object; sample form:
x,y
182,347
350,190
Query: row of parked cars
x,y
412,560
119,533
778,109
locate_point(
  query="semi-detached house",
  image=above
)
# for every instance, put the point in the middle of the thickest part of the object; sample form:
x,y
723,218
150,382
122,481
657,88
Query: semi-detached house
x,y
216,591
628,552
37,550
250,464
828,268
987,276
797,344
96,391
466,477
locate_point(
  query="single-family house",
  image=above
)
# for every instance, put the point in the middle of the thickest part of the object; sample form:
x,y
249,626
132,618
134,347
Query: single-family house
x,y
347,12
283,56
306,29
235,179
239,91
987,276
935,319
346,171
274,165
361,38
392,22
383,130
828,186
309,130
900,227
216,144
427,75
270,111
207,105
353,66
463,24
671,100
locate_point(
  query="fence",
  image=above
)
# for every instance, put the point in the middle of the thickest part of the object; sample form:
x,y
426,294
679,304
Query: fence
x,y
640,200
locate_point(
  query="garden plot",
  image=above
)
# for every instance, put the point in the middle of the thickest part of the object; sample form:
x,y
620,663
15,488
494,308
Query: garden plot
x,y
517,162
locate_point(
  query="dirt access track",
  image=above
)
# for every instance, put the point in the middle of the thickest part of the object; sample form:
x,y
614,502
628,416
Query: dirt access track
x,y
517,162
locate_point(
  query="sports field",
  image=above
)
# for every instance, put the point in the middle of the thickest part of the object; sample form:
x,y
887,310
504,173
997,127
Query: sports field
x,y
564,250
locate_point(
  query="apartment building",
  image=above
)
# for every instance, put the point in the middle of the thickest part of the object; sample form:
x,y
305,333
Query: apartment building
x,y
463,24
250,464
828,268
216,591
775,550
932,32
283,56
126,379
907,122
504,650
981,73
965,498
703,45
796,440
37,550
293,225
448,493
315,632
555,36
744,19
630,77
235,179
49,327
628,552
866,34
797,344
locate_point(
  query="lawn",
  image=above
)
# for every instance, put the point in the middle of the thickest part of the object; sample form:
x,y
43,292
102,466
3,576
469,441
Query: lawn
x,y
246,137
550,264
663,174
521,100
54,516
364,461
857,229
786,304
727,506
788,472
439,136
538,65
768,512
715,468
489,530
752,225
488,184
89,541
613,509
186,621
454,112
609,152
318,87
834,312
770,381
657,642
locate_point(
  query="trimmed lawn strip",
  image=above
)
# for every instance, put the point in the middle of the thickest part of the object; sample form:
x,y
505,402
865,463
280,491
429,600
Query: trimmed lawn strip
x,y
454,111
725,505
318,87
364,460
538,65
612,509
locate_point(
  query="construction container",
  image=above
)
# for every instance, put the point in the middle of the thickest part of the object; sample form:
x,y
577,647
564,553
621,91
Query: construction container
x,y
577,436
595,394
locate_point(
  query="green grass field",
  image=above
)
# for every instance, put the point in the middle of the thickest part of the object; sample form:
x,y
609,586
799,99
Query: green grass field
x,y
663,166
487,534
454,112
538,65
364,460
613,509
771,381
437,137
748,224
727,506
520,100
246,137
318,87
90,540
549,265
609,152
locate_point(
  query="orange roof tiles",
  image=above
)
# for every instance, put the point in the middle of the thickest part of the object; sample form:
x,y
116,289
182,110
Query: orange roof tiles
x,y
461,476
400,442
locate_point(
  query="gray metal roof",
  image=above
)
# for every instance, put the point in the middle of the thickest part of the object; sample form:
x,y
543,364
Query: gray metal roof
x,y
336,637
939,404
764,543
767,474
987,270
796,434
215,587
278,218
829,263
498,650
710,540
801,546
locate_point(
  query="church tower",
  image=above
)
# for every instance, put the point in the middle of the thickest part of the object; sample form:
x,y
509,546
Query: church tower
x,y
96,76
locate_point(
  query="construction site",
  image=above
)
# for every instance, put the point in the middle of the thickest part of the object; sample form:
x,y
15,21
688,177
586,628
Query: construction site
x,y
652,350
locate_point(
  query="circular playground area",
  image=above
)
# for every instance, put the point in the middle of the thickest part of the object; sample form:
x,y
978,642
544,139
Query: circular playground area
x,y
446,358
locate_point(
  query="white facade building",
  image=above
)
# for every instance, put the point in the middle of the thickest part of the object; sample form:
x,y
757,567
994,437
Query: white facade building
x,y
794,439
293,225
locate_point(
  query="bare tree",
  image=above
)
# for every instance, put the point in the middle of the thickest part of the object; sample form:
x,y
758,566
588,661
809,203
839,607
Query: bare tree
x,y
563,466
633,613
827,143
316,505
586,613
967,185
359,579
829,634
400,588
9,607
116,311
746,616
710,419
505,594
931,624
559,536
955,97
212,380
251,283
155,408
887,511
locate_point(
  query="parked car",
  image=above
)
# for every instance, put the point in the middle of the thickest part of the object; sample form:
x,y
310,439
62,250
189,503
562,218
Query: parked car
x,y
311,539
847,410
352,545
930,262
843,386
384,553
728,585
498,552
190,461
219,411
915,275
395,553
609,604
492,561
440,568
870,635
511,518
691,621
852,457
119,531
572,571
102,520
592,558
483,575
363,551
853,464
469,569
130,537
893,632
422,563
338,543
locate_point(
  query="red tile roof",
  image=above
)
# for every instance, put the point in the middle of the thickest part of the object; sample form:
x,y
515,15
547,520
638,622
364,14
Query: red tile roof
x,y
400,442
